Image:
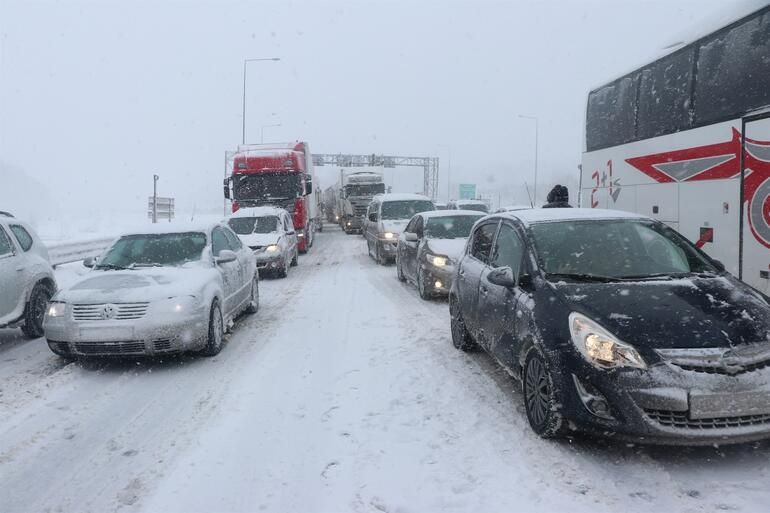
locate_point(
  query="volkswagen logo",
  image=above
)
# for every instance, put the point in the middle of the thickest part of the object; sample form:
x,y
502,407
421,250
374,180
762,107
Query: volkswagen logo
x,y
108,312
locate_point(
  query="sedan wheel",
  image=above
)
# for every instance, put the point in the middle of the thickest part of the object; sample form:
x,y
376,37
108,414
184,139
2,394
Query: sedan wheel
x,y
461,339
216,331
425,292
399,271
540,397
35,311
294,260
254,298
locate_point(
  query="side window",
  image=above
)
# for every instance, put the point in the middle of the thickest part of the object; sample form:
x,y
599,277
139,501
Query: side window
x,y
233,241
218,241
418,226
664,95
286,227
509,249
5,244
22,235
411,225
482,241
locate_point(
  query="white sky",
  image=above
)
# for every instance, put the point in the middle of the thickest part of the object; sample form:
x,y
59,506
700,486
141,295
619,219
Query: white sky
x,y
95,97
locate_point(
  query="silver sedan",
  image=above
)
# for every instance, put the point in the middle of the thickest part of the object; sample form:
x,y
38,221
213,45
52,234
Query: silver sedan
x,y
156,292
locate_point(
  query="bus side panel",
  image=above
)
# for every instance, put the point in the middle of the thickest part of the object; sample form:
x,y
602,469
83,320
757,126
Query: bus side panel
x,y
709,216
756,216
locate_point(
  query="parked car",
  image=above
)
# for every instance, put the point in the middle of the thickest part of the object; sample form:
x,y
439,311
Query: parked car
x,y
615,324
26,277
167,289
388,214
440,206
270,234
476,205
429,247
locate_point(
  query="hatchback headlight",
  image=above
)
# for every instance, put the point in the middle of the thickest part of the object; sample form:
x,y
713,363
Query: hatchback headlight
x,y
56,309
438,261
389,235
600,347
272,248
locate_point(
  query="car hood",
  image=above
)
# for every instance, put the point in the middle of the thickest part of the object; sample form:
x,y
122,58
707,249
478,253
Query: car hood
x,y
394,225
259,239
680,313
138,285
452,248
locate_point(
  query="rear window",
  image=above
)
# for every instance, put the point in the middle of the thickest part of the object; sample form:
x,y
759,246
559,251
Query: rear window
x,y
405,209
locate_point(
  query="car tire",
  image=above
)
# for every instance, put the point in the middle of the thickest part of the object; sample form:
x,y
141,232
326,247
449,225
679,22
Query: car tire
x,y
461,339
283,270
34,312
399,270
295,259
425,292
540,397
216,334
253,305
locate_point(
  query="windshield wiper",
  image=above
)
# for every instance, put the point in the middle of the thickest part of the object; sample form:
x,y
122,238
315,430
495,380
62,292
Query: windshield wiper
x,y
113,267
585,277
144,264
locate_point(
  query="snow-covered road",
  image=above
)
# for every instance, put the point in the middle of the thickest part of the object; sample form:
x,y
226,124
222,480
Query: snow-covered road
x,y
343,393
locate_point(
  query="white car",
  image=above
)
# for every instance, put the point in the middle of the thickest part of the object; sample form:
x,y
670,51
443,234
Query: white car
x,y
270,234
168,289
26,277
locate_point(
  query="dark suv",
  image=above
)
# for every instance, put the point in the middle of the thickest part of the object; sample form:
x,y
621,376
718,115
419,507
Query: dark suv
x,y
616,325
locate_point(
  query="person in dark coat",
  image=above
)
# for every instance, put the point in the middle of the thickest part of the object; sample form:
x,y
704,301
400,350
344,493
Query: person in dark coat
x,y
558,198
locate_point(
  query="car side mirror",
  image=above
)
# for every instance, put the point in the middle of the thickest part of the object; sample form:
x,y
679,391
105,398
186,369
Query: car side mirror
x,y
226,256
373,217
227,188
291,232
502,276
89,262
719,265
411,237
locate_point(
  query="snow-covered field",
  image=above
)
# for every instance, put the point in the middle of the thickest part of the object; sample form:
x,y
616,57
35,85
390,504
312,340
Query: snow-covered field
x,y
343,393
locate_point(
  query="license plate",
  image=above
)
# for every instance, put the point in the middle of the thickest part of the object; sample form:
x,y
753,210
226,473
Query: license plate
x,y
106,334
706,406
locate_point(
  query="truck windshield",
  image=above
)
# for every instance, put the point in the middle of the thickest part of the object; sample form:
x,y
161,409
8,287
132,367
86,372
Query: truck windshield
x,y
249,225
369,189
267,186
450,227
404,209
154,250
620,249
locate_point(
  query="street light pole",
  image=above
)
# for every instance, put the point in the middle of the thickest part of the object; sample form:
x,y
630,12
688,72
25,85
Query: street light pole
x,y
449,169
243,114
536,137
155,198
262,131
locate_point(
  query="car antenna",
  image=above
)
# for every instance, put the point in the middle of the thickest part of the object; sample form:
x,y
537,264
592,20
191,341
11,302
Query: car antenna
x,y
531,203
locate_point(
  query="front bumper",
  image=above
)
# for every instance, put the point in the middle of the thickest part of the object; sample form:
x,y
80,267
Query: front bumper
x,y
438,279
665,404
388,247
269,260
352,223
127,338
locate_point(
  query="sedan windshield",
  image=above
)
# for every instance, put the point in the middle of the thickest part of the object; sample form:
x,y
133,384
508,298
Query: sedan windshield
x,y
450,227
172,249
405,209
615,249
249,225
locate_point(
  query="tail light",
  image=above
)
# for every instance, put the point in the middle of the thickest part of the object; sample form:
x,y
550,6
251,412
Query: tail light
x,y
236,206
299,213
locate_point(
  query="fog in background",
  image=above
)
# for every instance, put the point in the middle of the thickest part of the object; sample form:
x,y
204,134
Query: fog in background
x,y
95,97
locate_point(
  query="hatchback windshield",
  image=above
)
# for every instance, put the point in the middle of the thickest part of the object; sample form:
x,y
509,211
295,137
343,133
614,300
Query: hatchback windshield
x,y
615,249
405,209
154,250
450,227
248,225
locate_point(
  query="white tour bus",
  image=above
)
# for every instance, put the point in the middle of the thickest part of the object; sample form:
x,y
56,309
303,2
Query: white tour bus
x,y
686,140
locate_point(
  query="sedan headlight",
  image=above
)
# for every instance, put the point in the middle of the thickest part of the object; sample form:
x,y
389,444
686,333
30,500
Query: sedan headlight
x,y
56,309
600,347
272,248
437,260
177,305
389,235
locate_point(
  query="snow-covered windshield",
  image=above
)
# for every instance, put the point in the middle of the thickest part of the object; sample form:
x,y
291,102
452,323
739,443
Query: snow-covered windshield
x,y
248,225
404,209
364,189
615,249
174,249
267,186
450,227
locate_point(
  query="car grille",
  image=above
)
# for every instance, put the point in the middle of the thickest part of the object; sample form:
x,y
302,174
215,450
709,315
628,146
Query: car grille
x,y
359,210
162,345
724,369
122,312
256,248
680,419
111,348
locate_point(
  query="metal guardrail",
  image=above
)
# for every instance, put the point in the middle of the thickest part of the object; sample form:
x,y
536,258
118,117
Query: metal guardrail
x,y
67,252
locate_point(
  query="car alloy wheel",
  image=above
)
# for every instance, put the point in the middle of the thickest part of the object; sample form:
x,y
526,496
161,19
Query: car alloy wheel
x,y
254,297
216,331
35,311
540,397
399,271
461,339
421,286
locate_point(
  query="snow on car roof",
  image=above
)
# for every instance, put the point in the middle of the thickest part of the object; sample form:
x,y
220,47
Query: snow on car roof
x,y
404,196
175,227
546,215
469,202
451,213
511,208
258,212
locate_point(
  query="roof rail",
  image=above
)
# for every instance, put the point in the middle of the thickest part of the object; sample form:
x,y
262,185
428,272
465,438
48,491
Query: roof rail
x,y
5,214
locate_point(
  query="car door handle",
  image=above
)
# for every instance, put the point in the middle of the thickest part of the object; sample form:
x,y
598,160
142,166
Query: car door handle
x,y
461,272
484,290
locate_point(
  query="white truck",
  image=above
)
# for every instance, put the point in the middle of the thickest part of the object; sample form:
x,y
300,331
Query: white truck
x,y
355,190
